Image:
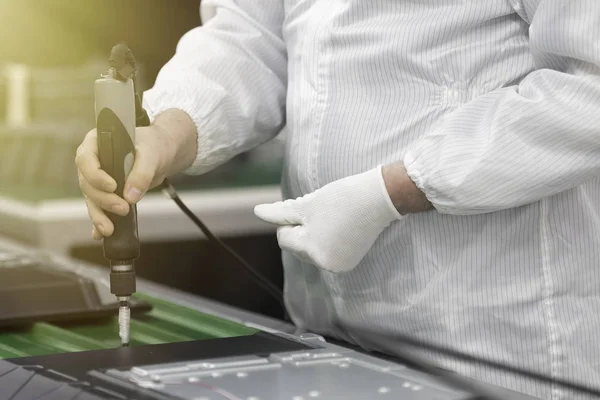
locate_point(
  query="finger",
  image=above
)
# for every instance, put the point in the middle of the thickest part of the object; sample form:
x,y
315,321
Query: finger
x,y
96,235
292,239
107,201
101,222
88,165
279,213
141,176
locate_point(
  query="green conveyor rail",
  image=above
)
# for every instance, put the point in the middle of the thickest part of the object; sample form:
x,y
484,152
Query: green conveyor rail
x,y
166,323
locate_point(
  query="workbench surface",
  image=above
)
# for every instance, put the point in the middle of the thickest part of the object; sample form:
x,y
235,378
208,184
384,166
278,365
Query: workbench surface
x,y
179,323
176,317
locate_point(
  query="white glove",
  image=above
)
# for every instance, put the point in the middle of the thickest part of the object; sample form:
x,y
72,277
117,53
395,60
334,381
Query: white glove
x,y
335,226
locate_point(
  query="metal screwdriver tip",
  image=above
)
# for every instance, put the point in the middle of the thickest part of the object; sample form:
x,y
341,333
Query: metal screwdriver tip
x,y
124,323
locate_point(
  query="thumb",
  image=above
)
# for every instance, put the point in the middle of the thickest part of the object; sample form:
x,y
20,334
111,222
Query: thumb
x,y
140,178
279,213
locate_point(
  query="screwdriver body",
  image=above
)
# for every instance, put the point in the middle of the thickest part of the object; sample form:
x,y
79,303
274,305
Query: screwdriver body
x,y
115,125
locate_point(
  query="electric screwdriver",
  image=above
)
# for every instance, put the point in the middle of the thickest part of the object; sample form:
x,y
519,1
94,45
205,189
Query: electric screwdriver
x,y
118,111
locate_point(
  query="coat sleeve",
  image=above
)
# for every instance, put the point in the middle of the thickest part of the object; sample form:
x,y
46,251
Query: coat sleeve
x,y
519,144
229,76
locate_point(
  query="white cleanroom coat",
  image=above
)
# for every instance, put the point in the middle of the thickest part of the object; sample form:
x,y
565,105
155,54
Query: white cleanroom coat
x,y
494,107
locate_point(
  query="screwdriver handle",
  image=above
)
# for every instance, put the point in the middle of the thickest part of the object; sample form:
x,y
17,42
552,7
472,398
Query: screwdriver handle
x,y
115,125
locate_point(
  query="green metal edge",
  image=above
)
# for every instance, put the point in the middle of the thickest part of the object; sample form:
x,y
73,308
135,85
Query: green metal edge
x,y
165,323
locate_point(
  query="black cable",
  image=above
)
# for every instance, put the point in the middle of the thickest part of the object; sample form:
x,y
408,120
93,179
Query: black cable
x,y
410,341
261,280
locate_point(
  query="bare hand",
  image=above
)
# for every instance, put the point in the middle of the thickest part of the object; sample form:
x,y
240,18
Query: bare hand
x,y
153,157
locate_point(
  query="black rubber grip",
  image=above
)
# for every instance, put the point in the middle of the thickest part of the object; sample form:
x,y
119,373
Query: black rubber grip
x,y
114,147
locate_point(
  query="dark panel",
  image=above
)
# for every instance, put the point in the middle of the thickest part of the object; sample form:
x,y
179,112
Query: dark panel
x,y
14,381
37,387
64,393
6,367
78,364
35,293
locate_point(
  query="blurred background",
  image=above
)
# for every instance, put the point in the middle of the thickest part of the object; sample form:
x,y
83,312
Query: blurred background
x,y
50,55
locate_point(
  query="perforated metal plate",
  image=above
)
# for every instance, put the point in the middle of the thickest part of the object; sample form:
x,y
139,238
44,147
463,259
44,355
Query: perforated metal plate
x,y
304,375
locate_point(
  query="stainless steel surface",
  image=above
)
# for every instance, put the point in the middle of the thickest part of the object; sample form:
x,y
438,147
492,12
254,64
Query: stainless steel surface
x,y
327,372
324,373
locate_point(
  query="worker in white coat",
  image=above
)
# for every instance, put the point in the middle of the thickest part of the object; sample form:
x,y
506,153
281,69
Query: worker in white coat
x,y
442,166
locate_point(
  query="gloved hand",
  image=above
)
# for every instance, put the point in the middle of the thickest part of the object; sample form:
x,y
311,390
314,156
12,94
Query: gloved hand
x,y
335,226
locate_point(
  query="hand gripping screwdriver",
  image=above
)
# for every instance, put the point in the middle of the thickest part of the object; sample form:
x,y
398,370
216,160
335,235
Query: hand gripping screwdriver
x,y
115,105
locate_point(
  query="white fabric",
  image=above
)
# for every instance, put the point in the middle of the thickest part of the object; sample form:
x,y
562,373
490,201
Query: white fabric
x,y
234,111
335,226
494,107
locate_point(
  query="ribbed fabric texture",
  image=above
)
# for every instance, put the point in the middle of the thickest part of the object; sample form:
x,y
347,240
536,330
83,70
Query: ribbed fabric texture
x,y
495,108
